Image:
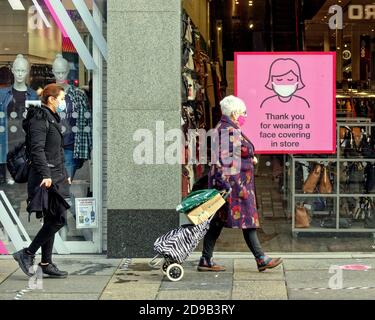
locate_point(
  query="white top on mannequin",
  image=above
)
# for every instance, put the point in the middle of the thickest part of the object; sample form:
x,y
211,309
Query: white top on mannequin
x,y
60,70
20,71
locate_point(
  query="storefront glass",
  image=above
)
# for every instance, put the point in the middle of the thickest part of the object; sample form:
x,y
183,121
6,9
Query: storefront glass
x,y
339,200
38,47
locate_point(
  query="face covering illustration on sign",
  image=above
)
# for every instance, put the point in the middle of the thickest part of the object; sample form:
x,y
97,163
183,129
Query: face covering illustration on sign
x,y
284,90
285,79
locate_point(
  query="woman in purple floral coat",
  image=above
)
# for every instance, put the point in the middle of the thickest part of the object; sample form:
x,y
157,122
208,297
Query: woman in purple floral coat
x,y
232,169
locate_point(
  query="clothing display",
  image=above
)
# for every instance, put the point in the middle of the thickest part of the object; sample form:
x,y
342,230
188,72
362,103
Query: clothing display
x,y
12,112
77,129
41,75
353,107
202,89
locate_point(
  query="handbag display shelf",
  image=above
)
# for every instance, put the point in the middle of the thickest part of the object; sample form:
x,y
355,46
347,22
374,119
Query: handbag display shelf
x,y
352,173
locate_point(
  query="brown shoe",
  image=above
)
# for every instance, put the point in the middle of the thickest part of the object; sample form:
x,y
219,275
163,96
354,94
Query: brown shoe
x,y
268,263
205,265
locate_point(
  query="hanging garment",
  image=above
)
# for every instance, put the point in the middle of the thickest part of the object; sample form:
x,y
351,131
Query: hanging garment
x,y
190,63
189,32
83,128
6,99
210,86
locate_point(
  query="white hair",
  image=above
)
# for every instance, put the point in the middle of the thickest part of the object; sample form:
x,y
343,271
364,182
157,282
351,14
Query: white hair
x,y
232,104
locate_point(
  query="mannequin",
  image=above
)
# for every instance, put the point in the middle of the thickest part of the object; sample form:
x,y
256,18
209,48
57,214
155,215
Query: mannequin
x,y
76,120
12,110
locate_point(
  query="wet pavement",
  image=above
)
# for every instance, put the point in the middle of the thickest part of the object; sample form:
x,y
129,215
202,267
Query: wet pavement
x,y
301,276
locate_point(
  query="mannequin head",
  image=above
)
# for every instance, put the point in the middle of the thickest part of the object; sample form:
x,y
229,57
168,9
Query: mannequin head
x,y
60,69
20,70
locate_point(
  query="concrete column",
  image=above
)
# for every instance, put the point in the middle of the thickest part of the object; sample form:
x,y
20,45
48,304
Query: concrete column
x,y
144,76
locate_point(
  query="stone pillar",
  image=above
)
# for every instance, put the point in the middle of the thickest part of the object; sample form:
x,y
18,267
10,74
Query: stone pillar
x,y
144,76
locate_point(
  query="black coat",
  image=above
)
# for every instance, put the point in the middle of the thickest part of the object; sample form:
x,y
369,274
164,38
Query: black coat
x,y
45,144
46,202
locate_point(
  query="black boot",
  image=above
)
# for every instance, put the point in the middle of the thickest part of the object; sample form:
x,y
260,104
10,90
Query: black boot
x,y
52,271
25,261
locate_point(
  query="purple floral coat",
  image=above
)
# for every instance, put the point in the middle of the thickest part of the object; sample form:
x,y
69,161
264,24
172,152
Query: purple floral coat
x,y
232,167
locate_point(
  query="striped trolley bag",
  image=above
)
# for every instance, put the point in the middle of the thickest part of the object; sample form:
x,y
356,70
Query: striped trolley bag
x,y
177,245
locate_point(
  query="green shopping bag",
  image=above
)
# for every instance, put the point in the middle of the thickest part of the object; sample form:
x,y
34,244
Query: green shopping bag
x,y
195,199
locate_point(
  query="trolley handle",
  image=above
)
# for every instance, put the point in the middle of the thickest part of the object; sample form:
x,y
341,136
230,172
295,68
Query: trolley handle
x,y
225,193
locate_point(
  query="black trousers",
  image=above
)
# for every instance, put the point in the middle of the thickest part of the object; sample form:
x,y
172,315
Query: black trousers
x,y
216,226
46,237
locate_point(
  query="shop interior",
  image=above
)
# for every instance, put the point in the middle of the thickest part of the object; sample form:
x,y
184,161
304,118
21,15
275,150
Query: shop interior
x,y
340,219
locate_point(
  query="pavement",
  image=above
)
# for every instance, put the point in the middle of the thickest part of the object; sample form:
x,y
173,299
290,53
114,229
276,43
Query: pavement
x,y
300,277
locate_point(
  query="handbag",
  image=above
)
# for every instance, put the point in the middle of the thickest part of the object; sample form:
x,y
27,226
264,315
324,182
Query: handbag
x,y
18,163
370,215
370,178
351,142
356,178
325,183
330,223
302,218
312,180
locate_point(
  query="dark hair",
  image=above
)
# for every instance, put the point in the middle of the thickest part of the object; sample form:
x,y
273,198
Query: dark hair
x,y
6,76
51,90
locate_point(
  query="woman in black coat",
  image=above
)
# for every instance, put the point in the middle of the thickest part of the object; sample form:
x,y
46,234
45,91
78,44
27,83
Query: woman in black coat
x,y
45,146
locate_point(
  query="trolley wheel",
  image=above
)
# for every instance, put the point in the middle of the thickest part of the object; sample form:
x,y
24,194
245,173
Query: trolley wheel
x,y
175,272
164,267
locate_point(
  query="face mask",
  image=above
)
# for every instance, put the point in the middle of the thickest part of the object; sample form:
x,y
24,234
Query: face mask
x,y
285,90
61,107
241,120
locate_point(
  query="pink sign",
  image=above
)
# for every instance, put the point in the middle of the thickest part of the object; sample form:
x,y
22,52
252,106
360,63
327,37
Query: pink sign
x,y
291,100
3,249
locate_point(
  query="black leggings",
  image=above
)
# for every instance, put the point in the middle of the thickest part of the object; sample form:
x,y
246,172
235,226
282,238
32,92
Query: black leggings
x,y
216,225
46,237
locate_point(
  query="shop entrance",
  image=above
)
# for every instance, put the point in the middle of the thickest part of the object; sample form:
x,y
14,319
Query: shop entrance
x,y
221,28
54,42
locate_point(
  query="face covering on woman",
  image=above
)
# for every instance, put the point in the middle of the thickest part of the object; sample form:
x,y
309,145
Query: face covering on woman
x,y
241,120
61,107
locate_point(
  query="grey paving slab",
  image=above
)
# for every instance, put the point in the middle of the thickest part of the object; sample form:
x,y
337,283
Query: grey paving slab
x,y
47,296
194,295
200,281
323,264
7,267
130,291
256,276
102,267
332,295
259,290
249,265
141,277
72,284
321,279
7,296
